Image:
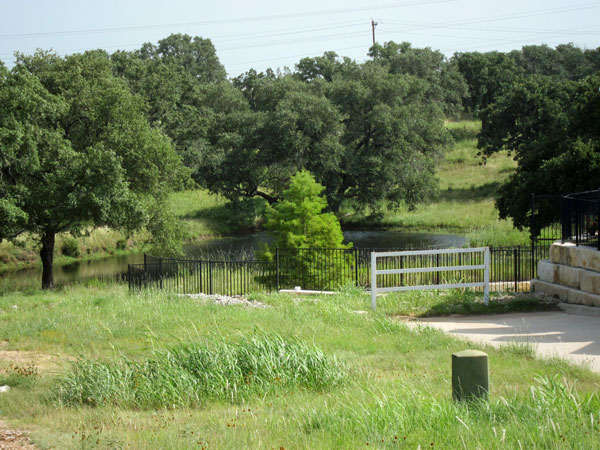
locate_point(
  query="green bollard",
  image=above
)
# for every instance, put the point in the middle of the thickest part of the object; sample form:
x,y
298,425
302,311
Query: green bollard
x,y
470,376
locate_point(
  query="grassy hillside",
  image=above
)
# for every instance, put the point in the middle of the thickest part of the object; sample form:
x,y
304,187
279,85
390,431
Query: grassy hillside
x,y
465,204
361,380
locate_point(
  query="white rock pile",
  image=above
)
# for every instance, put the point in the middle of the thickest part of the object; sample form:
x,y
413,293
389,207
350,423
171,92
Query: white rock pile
x,y
225,300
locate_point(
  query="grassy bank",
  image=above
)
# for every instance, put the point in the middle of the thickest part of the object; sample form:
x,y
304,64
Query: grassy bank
x,y
385,384
205,215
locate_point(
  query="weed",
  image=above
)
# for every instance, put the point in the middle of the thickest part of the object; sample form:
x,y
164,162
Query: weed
x,y
191,373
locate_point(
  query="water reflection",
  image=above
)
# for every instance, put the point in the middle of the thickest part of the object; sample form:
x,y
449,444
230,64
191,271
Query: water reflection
x,y
232,247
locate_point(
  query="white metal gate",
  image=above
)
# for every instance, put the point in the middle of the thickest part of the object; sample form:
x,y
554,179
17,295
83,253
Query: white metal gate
x,y
485,267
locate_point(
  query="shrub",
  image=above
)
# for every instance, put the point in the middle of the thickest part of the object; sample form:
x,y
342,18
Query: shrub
x,y
193,373
70,247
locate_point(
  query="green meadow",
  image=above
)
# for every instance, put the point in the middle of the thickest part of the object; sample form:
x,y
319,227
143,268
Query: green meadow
x,y
92,366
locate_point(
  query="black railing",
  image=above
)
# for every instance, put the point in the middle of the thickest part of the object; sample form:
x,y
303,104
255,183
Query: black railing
x,y
209,277
580,214
511,268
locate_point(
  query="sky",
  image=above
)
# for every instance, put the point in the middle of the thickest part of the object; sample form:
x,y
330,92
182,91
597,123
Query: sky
x,y
260,34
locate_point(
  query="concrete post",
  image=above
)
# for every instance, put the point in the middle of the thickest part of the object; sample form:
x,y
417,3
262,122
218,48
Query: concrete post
x,y
470,376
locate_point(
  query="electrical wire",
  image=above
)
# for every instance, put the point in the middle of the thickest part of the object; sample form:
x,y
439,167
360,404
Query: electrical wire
x,y
225,21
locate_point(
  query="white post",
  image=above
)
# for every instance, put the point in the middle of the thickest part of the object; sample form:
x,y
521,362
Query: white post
x,y
486,276
373,280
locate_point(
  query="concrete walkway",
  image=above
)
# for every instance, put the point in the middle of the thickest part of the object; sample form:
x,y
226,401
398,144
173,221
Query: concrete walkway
x,y
559,334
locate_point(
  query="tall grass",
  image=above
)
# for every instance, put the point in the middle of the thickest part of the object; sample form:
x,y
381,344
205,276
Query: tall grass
x,y
554,415
396,383
192,373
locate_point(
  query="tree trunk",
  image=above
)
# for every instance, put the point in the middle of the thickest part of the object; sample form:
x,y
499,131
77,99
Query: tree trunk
x,y
47,255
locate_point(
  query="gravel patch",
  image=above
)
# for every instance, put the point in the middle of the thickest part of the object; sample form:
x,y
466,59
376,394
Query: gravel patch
x,y
225,300
14,439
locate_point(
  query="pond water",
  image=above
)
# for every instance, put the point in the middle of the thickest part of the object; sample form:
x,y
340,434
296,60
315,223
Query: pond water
x,y
229,247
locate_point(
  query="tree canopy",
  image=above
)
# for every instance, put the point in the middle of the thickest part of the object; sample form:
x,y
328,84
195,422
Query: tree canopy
x,y
77,151
552,129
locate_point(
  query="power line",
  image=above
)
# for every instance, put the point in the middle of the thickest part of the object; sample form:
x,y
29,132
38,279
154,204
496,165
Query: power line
x,y
521,15
303,55
224,21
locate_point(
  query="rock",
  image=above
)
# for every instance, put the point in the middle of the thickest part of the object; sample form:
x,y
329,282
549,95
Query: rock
x,y
225,300
4,388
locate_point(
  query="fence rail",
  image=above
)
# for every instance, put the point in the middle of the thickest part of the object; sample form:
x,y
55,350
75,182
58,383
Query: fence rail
x,y
511,268
437,269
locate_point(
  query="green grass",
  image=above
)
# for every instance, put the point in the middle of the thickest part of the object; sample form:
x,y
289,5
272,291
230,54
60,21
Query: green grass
x,y
396,392
457,301
190,374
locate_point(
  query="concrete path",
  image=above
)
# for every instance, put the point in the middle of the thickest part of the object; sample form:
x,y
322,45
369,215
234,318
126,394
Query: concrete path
x,y
559,334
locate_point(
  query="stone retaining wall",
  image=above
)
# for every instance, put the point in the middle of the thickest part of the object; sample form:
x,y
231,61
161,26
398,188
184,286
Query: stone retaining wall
x,y
572,274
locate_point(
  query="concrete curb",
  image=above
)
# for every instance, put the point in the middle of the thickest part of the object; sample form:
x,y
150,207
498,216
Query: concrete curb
x,y
581,310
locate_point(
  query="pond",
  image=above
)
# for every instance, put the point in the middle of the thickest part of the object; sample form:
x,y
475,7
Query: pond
x,y
229,247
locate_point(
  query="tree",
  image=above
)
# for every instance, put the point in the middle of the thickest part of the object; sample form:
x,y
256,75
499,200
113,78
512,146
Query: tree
x,y
392,136
180,78
446,84
262,136
298,220
487,75
77,151
551,128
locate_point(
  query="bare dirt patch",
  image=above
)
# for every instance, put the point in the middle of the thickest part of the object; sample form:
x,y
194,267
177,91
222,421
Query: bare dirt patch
x,y
11,439
41,361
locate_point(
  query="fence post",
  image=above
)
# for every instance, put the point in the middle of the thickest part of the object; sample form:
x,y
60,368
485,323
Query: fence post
x,y
532,235
277,266
129,276
373,280
145,263
199,269
210,277
160,273
486,276
577,230
515,256
356,265
598,223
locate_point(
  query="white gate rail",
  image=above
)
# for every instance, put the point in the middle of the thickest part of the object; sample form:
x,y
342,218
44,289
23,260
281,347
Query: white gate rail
x,y
485,267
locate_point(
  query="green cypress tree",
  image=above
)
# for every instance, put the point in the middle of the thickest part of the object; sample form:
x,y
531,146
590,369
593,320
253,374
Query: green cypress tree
x,y
298,222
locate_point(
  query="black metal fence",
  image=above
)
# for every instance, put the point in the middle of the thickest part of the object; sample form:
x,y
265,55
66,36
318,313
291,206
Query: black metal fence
x,y
209,277
580,215
511,268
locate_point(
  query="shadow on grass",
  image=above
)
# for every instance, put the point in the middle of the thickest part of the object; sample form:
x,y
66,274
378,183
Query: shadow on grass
x,y
483,192
230,217
495,306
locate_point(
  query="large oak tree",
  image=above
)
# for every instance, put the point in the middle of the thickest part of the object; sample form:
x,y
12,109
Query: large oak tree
x,y
77,151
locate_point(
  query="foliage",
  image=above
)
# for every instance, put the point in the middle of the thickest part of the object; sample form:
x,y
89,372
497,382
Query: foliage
x,y
192,373
447,85
489,75
70,247
298,221
173,78
552,129
77,150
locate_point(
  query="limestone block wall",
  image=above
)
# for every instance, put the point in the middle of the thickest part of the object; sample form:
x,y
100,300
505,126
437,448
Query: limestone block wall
x,y
572,274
